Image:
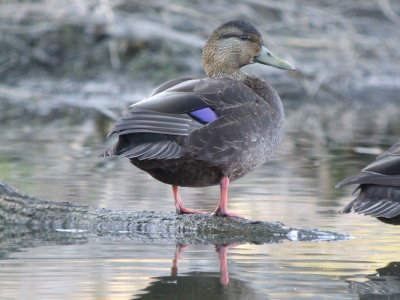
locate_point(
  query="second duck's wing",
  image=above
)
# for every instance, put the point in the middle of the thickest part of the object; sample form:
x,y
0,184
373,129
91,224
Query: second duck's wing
x,y
379,188
385,170
376,201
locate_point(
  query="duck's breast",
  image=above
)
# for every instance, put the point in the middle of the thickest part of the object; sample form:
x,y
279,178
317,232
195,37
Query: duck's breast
x,y
245,135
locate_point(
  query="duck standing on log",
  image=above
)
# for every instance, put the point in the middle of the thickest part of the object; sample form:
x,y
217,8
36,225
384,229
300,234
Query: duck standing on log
x,y
379,188
200,132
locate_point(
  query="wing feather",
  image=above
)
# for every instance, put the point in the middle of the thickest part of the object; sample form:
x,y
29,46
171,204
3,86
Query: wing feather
x,y
155,152
161,150
376,200
140,120
172,151
386,165
137,151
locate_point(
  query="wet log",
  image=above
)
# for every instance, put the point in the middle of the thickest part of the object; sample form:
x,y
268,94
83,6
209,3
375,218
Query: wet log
x,y
23,213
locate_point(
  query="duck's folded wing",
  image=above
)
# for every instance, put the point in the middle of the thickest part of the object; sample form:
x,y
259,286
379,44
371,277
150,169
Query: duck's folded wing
x,y
145,146
371,178
392,151
147,134
171,113
140,120
385,165
195,94
184,107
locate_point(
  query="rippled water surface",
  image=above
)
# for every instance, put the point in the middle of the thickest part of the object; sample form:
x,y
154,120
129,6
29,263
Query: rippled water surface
x,y
59,161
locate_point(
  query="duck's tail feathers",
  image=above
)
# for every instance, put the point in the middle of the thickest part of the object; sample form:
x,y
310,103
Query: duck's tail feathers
x,y
145,146
375,201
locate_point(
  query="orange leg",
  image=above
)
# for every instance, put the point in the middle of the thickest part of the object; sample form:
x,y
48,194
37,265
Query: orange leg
x,y
180,208
222,209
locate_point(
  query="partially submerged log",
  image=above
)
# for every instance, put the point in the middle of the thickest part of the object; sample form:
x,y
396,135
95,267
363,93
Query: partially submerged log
x,y
30,214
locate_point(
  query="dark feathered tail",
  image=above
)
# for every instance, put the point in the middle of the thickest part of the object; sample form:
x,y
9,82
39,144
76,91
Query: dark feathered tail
x,y
382,202
145,146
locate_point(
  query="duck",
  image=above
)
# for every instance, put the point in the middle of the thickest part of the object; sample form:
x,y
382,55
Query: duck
x,y
378,186
198,132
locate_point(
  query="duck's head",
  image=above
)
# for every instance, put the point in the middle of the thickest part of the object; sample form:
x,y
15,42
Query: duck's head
x,y
233,45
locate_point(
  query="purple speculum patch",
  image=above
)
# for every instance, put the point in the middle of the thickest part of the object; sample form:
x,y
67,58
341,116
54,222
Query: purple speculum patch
x,y
204,115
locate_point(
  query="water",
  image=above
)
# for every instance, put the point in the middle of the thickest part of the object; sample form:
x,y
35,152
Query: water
x,y
58,160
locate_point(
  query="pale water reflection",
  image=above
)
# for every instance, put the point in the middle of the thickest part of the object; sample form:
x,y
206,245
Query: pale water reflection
x,y
60,162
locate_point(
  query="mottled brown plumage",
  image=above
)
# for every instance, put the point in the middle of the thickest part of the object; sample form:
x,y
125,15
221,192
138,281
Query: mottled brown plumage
x,y
201,132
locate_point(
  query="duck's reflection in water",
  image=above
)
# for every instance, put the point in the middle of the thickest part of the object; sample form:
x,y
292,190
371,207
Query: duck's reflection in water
x,y
199,285
222,251
384,284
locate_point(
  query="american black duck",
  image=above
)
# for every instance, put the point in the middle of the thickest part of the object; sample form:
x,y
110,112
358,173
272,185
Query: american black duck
x,y
208,131
379,188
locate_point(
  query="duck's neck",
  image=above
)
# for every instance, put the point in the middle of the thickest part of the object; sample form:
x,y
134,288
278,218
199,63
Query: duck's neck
x,y
216,64
232,73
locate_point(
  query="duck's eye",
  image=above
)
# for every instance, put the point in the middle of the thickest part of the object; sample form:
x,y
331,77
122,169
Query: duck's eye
x,y
244,37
